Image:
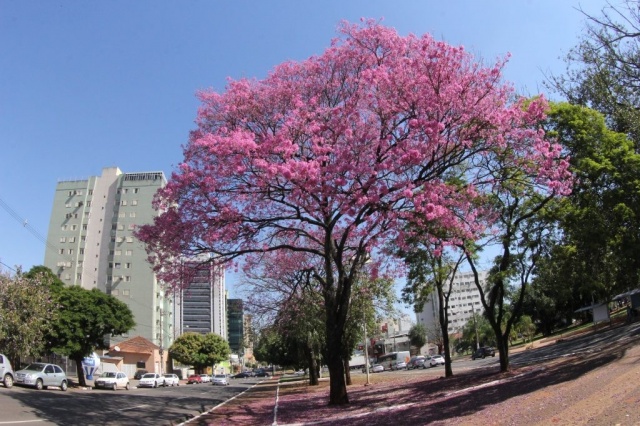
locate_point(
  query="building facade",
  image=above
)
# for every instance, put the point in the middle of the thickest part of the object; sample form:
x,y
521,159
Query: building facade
x,y
91,243
235,314
201,305
464,303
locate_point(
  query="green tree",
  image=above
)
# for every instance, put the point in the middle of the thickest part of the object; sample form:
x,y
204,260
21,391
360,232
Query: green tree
x,y
600,221
85,320
477,332
273,347
603,70
431,275
525,215
26,312
525,327
418,335
199,350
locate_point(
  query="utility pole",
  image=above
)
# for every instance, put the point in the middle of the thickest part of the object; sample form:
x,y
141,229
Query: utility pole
x,y
161,343
366,353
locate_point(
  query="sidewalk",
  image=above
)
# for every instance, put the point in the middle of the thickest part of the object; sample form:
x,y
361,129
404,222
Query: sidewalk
x,y
576,389
297,403
255,406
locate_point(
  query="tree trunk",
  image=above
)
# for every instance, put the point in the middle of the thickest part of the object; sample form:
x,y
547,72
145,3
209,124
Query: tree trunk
x,y
347,372
82,381
337,384
448,371
503,347
312,365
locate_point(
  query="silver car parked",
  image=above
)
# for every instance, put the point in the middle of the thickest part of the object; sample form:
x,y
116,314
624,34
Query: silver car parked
x,y
6,372
41,375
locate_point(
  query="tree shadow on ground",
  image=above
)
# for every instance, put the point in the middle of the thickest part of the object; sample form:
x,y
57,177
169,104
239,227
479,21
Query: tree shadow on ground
x,y
444,399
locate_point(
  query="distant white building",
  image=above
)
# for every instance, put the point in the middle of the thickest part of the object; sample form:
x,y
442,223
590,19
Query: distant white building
x,y
463,303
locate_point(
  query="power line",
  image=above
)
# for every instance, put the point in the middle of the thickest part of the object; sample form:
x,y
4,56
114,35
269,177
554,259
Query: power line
x,y
7,266
25,224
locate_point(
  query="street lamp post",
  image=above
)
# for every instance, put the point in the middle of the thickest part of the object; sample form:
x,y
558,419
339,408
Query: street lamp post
x,y
366,353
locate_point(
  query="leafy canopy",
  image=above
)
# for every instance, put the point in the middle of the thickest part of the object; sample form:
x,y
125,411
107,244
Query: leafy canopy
x,y
329,157
200,350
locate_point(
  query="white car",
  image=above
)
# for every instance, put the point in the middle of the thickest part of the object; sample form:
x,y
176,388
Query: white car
x,y
151,380
375,368
220,379
205,378
171,380
436,360
112,380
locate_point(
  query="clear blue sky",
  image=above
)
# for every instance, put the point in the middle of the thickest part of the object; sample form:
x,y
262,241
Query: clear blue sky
x,y
91,84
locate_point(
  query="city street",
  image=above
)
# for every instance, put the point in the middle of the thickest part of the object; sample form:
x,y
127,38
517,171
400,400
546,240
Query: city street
x,y
160,406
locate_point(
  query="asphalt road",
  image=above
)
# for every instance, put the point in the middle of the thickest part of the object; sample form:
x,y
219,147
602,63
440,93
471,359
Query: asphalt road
x,y
160,406
172,405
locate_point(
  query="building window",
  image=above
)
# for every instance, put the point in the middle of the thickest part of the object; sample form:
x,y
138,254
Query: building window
x,y
122,214
115,292
127,265
134,202
129,239
120,227
135,190
123,202
64,227
81,251
91,192
117,265
129,252
74,227
63,239
83,238
70,251
125,292
79,277
88,203
67,277
72,239
127,278
132,214
68,205
118,252
61,251
119,239
132,226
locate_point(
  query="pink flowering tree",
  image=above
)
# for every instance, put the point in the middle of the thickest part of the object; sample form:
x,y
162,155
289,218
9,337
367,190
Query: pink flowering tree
x,y
330,156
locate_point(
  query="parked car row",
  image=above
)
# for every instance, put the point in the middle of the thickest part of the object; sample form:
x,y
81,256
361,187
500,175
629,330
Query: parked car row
x,y
154,380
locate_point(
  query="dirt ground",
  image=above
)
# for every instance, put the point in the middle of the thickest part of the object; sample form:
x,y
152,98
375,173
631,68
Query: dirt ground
x,y
595,389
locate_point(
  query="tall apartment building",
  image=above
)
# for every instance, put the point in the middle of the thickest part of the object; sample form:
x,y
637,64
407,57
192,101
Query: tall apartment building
x,y
90,243
463,303
200,306
235,312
